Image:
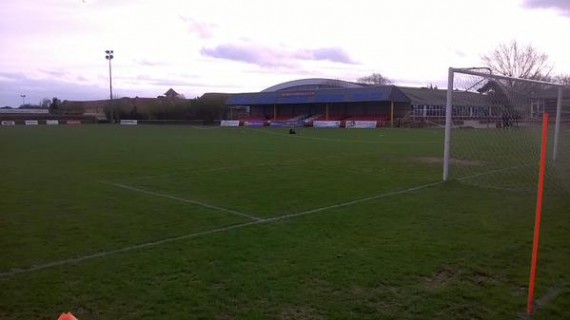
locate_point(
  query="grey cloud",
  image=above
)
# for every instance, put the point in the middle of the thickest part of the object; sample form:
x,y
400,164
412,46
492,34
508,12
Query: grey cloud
x,y
63,75
562,5
275,57
14,84
332,54
264,57
54,73
10,77
184,80
146,62
167,82
202,29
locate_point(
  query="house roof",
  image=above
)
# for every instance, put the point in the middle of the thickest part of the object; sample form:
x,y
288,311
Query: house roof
x,y
313,84
171,93
337,95
438,97
310,91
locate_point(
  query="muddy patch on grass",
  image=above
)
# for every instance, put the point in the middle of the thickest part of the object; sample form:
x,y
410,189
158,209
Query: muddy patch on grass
x,y
447,275
441,278
482,279
382,299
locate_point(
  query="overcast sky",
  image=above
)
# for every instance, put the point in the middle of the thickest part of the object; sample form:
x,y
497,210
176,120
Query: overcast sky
x,y
55,48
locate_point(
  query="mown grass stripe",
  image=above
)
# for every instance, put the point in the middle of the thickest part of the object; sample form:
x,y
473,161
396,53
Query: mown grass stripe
x,y
208,232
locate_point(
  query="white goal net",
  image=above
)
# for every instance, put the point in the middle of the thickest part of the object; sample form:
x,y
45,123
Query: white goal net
x,y
493,131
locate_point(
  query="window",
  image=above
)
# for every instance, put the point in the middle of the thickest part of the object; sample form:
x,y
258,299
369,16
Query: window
x,y
536,108
480,112
417,110
461,111
435,111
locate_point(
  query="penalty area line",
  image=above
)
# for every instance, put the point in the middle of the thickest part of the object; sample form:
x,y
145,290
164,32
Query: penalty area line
x,y
551,294
198,203
486,173
259,221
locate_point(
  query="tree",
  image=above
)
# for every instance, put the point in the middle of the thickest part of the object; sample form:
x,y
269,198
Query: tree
x,y
562,79
55,106
211,107
375,79
519,61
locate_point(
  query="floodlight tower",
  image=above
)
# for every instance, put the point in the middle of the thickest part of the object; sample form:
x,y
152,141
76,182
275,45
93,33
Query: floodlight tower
x,y
23,96
109,57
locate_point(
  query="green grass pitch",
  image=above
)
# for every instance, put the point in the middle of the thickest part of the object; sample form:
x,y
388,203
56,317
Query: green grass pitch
x,y
181,222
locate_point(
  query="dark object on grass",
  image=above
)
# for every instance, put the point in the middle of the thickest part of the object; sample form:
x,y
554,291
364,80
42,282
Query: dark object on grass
x,y
292,131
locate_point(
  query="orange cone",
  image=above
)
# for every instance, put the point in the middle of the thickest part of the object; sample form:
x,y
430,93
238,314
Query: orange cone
x,y
67,316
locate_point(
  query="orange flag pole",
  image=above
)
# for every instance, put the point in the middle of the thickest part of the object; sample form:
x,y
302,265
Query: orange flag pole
x,y
538,218
67,316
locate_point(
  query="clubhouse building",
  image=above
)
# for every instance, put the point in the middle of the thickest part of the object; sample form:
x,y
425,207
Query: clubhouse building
x,y
315,101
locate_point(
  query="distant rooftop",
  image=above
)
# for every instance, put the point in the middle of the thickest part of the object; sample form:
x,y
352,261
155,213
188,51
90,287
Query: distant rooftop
x,y
171,93
313,84
337,95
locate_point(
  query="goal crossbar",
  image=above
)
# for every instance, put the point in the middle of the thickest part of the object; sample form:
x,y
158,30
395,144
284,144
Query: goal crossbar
x,y
486,75
473,72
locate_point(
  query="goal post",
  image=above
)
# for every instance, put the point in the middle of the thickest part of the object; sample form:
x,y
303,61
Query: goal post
x,y
497,136
492,129
557,122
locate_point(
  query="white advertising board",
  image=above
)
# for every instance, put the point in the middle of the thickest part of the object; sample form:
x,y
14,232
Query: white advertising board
x,y
126,122
350,124
8,123
31,122
52,122
326,124
229,123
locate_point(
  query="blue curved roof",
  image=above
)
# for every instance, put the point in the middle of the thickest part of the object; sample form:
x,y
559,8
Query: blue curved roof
x,y
312,84
338,95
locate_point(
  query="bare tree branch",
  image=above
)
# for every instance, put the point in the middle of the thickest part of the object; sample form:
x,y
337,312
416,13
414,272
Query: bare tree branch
x,y
521,62
375,79
562,79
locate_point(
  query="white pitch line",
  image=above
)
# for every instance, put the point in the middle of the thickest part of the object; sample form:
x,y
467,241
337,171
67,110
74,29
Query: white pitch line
x,y
198,203
207,232
163,175
122,250
494,171
353,202
551,294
